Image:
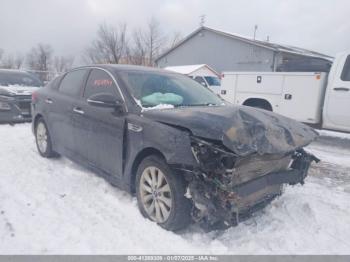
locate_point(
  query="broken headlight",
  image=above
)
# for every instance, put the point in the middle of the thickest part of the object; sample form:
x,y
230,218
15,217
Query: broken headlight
x,y
211,156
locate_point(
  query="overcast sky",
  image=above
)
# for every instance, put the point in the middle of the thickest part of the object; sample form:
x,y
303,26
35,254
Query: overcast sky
x,y
69,25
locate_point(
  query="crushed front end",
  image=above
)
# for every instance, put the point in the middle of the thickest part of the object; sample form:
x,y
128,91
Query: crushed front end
x,y
226,188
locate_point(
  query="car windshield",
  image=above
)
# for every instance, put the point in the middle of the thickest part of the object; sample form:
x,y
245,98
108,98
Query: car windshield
x,y
19,79
212,80
154,89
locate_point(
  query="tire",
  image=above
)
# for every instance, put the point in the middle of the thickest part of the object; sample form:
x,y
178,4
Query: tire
x,y
167,192
43,140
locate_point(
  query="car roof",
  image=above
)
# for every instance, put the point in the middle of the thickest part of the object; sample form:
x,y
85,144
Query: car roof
x,y
13,71
123,67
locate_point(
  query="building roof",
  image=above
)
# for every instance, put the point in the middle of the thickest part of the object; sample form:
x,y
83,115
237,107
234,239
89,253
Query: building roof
x,y
188,69
268,45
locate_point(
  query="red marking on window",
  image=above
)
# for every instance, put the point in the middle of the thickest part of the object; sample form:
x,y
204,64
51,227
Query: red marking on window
x,y
103,82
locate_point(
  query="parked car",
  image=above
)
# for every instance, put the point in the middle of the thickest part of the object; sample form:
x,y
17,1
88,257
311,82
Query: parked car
x,y
315,98
185,153
16,88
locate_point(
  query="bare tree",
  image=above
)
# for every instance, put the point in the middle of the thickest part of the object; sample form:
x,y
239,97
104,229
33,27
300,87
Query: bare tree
x,y
39,59
62,63
175,39
137,52
7,62
19,60
12,62
109,46
154,40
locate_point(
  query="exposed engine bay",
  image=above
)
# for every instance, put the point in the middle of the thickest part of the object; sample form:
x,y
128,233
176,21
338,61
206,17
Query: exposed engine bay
x,y
227,188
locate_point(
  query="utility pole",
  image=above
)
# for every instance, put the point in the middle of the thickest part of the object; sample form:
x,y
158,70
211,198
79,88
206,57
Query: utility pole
x,y
255,29
202,20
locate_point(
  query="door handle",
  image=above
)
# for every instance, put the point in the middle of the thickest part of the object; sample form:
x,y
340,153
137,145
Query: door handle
x,y
341,89
78,110
48,101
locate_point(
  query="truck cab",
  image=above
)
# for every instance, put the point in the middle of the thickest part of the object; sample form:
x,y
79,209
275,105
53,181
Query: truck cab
x,y
211,82
202,73
336,110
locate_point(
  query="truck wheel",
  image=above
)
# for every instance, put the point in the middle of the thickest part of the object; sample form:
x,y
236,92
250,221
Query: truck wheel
x,y
160,194
43,140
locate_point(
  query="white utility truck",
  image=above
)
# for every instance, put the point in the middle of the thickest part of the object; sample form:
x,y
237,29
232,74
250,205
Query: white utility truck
x,y
315,98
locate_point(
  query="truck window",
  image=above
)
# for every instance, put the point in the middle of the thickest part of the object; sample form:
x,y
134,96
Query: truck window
x,y
200,80
212,80
345,75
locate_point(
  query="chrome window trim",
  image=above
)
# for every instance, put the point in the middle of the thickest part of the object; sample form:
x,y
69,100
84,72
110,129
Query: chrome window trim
x,y
114,80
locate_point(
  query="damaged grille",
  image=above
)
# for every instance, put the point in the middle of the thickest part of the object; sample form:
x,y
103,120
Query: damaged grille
x,y
224,184
255,166
24,104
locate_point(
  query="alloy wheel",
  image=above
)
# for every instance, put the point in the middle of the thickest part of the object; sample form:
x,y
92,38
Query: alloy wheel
x,y
41,137
155,194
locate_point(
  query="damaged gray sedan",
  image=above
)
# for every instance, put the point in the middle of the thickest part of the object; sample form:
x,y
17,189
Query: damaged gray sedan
x,y
16,89
186,154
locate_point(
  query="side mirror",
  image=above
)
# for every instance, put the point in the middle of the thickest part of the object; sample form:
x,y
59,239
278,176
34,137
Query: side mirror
x,y
105,100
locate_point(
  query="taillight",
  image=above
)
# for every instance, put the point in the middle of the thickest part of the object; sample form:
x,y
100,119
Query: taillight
x,y
34,97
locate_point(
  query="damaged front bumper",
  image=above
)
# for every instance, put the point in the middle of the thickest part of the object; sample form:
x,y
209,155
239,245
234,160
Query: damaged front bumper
x,y
226,188
15,108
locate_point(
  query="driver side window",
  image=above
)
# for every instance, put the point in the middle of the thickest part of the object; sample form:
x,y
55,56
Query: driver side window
x,y
100,82
345,76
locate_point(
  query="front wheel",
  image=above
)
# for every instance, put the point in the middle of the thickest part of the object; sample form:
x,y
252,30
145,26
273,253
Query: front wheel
x,y
160,194
43,140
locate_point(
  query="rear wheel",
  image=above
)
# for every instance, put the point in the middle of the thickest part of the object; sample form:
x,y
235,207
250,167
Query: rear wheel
x,y
160,194
43,140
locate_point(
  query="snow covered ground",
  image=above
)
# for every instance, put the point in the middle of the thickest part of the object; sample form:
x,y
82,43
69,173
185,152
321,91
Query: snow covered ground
x,y
57,207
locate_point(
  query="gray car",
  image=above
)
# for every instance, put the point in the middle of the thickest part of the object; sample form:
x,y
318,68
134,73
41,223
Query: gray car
x,y
16,88
187,155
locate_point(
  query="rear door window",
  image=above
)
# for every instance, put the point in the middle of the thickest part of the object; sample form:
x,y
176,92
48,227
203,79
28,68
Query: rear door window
x,y
345,75
72,82
100,82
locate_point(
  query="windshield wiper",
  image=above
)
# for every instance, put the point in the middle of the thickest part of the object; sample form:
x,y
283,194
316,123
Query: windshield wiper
x,y
204,104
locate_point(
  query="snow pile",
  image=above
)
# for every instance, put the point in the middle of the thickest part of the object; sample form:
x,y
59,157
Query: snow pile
x,y
56,207
160,106
331,154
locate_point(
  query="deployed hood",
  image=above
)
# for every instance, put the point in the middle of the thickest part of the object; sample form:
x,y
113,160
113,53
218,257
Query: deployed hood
x,y
244,130
17,90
